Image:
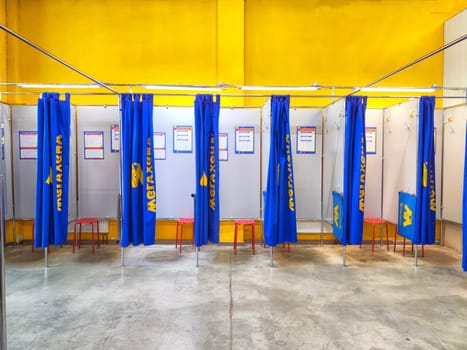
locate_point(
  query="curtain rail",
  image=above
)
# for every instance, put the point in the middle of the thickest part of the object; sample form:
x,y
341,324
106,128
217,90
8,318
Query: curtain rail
x,y
31,93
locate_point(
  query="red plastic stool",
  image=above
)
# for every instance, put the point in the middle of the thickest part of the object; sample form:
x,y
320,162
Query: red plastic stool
x,y
90,221
244,222
181,222
373,222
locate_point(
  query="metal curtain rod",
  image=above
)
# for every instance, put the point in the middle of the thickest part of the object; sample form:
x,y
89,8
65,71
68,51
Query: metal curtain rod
x,y
34,93
45,52
418,60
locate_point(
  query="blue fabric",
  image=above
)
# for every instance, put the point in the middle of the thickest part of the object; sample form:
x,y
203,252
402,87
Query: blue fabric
x,y
464,210
280,222
53,159
337,204
138,173
425,209
406,215
354,170
207,169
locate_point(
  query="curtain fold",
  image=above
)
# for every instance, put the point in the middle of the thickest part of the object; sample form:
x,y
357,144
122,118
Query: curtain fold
x,y
425,208
207,169
138,174
53,160
354,170
280,221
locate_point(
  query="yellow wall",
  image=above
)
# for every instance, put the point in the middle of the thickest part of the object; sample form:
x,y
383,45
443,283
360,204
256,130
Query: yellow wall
x,y
254,42
3,67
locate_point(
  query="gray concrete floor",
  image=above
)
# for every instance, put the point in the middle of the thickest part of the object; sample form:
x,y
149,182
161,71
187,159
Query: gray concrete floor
x,y
160,300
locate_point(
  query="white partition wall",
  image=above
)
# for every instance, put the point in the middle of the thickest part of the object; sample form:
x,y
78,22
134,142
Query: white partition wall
x,y
333,152
175,175
454,145
98,180
400,155
240,192
439,115
374,163
307,166
25,120
5,158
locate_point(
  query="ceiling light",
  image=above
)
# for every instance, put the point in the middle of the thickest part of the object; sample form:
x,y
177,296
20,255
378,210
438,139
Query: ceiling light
x,y
280,88
57,86
182,87
396,89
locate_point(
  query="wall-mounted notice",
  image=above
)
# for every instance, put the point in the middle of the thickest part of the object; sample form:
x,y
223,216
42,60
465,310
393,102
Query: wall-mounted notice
x,y
183,139
28,145
93,145
159,145
306,139
115,138
223,147
370,136
245,139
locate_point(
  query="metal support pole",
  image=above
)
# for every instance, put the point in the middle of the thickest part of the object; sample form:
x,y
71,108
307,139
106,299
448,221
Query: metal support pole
x,y
344,256
45,52
122,257
46,257
197,256
271,255
416,256
3,342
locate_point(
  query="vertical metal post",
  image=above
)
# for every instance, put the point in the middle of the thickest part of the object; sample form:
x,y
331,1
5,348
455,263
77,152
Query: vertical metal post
x,y
46,257
193,195
3,342
440,191
13,203
271,255
416,256
344,256
322,178
197,256
122,257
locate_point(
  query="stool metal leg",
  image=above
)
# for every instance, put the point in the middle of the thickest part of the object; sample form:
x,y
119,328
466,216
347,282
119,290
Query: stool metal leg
x,y
253,237
235,239
98,238
74,239
387,237
403,248
79,239
373,240
176,238
181,237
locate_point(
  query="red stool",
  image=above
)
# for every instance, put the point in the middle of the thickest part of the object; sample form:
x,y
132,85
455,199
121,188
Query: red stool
x,y
181,222
373,222
403,244
90,221
243,223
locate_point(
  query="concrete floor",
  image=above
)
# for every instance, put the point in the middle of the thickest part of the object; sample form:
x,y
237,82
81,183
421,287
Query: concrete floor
x,y
160,300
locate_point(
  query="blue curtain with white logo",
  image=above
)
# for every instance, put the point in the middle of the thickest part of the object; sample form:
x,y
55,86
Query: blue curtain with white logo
x,y
354,170
464,210
207,169
53,161
138,173
425,208
280,221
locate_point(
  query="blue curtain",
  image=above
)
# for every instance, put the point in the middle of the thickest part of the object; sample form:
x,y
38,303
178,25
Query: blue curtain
x,y
425,207
207,169
138,173
464,210
280,221
406,215
354,170
53,159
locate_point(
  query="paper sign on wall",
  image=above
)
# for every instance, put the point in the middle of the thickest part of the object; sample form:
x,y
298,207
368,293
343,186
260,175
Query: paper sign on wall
x,y
115,138
159,145
306,139
223,147
93,145
28,145
183,139
370,137
244,139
